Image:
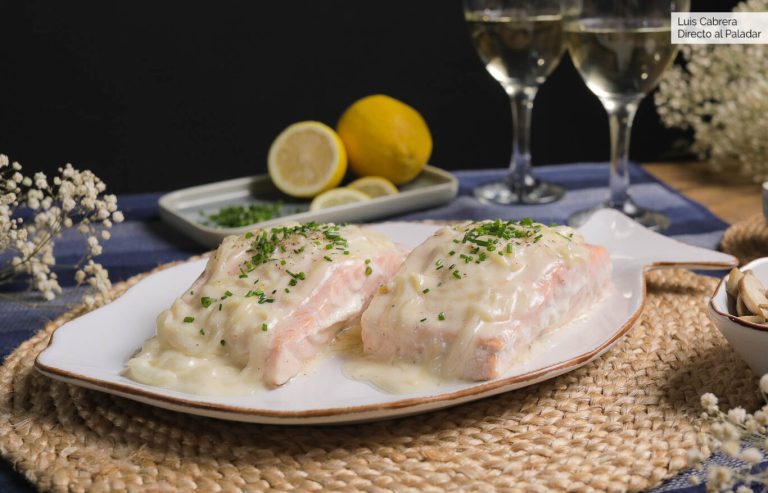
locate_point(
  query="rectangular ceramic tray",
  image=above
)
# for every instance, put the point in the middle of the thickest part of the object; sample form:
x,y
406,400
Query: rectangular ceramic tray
x,y
187,209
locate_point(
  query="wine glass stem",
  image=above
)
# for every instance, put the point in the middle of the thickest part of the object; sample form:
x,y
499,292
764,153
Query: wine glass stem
x,y
520,165
620,117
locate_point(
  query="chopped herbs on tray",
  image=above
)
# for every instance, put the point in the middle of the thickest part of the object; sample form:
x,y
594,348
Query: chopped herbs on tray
x,y
235,216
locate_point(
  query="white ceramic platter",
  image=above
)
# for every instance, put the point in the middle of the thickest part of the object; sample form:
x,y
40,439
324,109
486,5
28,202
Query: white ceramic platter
x,y
90,351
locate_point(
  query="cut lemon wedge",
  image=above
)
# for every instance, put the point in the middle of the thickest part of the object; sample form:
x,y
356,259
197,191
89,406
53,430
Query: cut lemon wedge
x,y
306,159
374,186
337,196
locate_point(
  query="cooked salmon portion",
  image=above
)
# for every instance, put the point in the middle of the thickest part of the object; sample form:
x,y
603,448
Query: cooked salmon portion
x,y
267,303
470,300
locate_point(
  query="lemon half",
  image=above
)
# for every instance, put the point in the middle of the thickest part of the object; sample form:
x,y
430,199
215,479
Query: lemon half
x,y
337,196
374,186
306,159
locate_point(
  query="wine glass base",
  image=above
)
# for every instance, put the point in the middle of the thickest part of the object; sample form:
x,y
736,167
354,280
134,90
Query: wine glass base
x,y
534,191
655,221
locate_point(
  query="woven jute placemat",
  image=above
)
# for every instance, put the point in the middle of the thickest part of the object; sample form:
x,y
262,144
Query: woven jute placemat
x,y
747,239
623,422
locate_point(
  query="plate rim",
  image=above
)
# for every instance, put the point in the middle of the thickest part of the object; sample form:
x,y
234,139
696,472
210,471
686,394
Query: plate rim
x,y
479,389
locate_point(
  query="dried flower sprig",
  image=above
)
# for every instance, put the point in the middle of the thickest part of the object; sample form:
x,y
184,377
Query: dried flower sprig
x,y
721,93
72,200
728,430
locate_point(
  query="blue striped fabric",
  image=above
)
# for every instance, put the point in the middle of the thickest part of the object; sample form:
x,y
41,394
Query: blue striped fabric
x,y
143,242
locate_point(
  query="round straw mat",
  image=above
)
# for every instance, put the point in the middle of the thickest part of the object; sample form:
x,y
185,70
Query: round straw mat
x,y
747,239
623,422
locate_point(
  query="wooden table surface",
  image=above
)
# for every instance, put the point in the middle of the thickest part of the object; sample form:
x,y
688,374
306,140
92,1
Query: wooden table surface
x,y
726,197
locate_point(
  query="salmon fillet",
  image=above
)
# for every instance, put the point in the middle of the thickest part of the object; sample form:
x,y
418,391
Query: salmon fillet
x,y
266,305
470,300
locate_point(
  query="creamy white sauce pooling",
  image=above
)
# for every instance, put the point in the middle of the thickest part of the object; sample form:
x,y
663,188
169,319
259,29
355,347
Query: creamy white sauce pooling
x,y
220,336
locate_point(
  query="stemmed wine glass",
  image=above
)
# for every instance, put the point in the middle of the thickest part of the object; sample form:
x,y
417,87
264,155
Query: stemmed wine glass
x,y
520,42
621,48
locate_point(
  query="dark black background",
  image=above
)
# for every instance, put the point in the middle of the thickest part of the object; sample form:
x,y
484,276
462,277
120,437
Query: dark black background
x,y
160,95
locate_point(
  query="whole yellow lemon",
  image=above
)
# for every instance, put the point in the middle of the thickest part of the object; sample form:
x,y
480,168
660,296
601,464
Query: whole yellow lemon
x,y
385,137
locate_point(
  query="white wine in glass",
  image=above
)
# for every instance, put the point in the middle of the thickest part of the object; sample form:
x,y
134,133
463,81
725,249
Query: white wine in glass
x,y
621,48
521,43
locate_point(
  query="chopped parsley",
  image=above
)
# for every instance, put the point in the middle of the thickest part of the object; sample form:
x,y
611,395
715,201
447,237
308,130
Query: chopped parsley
x,y
235,216
189,320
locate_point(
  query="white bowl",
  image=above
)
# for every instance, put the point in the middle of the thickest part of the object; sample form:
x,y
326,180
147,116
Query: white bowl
x,y
748,339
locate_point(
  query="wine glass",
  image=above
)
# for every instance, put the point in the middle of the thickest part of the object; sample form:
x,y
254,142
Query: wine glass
x,y
520,42
621,48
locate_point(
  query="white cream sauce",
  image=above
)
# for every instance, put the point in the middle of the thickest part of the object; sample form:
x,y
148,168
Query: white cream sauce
x,y
452,295
215,338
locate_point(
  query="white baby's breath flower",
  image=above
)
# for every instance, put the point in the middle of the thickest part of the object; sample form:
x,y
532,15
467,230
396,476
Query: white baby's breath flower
x,y
751,455
75,200
732,449
764,383
721,95
737,415
709,402
117,217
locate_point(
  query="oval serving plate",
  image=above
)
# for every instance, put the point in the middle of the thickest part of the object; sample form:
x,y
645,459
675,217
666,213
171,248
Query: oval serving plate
x,y
90,351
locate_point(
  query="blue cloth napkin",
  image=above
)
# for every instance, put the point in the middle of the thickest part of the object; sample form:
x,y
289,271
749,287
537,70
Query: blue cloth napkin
x,y
143,242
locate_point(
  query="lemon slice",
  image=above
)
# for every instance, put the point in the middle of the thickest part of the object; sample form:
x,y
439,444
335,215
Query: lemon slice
x,y
338,196
374,186
306,159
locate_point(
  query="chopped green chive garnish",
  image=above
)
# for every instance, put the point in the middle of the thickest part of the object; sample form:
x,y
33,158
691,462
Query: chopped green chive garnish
x,y
441,316
423,320
451,253
287,290
202,332
223,342
189,320
264,327
346,252
425,291
206,301
368,270
220,306
367,261
329,259
282,262
456,274
234,216
227,294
